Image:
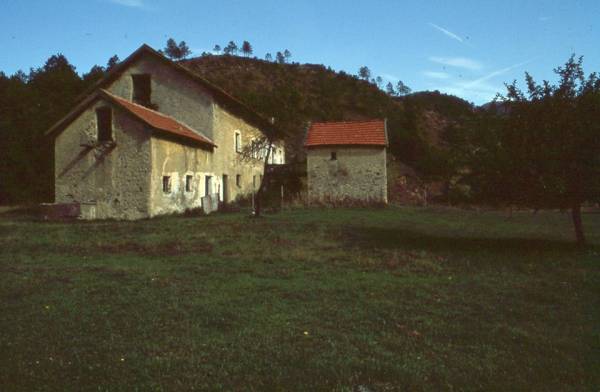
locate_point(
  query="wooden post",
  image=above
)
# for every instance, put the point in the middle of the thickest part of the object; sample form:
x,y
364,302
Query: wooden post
x,y
281,197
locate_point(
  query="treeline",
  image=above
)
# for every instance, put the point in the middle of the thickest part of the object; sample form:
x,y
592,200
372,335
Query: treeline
x,y
29,104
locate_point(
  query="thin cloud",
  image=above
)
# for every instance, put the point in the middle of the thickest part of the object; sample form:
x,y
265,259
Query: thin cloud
x,y
496,73
481,89
446,32
459,62
544,18
436,75
129,3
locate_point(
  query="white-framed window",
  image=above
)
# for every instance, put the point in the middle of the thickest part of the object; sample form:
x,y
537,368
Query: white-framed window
x,y
254,149
237,142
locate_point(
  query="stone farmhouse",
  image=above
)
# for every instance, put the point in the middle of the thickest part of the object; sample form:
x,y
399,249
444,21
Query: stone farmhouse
x,y
346,161
153,138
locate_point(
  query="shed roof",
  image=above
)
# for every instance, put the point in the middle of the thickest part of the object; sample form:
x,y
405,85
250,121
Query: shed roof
x,y
360,133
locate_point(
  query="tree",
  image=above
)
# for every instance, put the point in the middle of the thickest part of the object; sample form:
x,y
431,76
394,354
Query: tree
x,y
279,58
268,57
544,145
176,51
217,49
246,48
287,54
364,72
96,73
261,148
389,88
379,81
231,49
112,62
402,89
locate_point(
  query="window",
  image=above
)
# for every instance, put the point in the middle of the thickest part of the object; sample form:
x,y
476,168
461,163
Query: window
x,y
238,141
238,180
142,89
166,184
334,156
207,185
254,149
188,183
104,123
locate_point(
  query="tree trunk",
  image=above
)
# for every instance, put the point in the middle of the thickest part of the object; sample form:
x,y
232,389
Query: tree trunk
x,y
577,224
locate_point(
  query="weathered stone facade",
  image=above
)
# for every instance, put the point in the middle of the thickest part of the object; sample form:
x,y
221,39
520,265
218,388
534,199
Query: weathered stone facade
x,y
124,179
111,180
356,174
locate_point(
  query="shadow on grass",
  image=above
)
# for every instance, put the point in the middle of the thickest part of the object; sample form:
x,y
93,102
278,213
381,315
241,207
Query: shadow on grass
x,y
396,238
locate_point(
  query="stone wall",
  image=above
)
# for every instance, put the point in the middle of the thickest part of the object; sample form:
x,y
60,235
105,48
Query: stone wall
x,y
113,181
357,174
173,93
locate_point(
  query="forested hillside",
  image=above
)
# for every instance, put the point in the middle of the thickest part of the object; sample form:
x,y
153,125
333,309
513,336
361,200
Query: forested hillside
x,y
292,93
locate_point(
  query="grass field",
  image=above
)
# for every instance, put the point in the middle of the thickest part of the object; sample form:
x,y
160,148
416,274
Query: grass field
x,y
346,300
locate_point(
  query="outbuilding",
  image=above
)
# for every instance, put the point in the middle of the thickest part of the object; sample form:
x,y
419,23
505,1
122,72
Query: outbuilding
x,y
346,161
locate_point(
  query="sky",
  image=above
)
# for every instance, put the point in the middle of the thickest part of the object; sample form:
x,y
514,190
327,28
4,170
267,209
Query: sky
x,y
460,47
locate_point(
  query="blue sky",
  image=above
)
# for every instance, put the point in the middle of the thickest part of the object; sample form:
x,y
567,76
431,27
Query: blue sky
x,y
466,48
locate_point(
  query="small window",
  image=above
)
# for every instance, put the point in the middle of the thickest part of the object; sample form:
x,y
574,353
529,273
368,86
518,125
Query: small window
x,y
254,181
166,182
238,180
207,185
334,156
254,151
142,89
104,123
188,183
238,141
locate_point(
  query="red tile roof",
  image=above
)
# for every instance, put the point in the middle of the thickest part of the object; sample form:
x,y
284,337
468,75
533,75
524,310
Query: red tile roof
x,y
158,120
364,133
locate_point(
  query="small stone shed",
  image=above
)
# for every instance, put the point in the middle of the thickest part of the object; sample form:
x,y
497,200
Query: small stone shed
x,y
346,161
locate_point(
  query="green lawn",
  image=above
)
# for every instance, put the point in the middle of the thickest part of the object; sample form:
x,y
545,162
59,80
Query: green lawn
x,y
347,300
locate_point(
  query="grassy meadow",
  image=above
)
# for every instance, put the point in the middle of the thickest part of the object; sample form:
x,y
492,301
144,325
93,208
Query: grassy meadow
x,y
390,299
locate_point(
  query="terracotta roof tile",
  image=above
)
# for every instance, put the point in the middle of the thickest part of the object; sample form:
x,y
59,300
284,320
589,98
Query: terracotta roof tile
x,y
371,132
159,121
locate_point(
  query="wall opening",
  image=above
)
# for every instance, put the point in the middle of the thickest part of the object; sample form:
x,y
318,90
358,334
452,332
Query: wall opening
x,y
207,185
188,183
333,156
142,89
238,141
166,184
238,180
104,123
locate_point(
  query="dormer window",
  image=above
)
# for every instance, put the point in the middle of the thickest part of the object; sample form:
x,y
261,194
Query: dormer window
x,y
142,89
104,124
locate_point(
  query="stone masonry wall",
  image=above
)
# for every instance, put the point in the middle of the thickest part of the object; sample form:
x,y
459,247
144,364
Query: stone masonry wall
x,y
358,174
115,180
173,93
